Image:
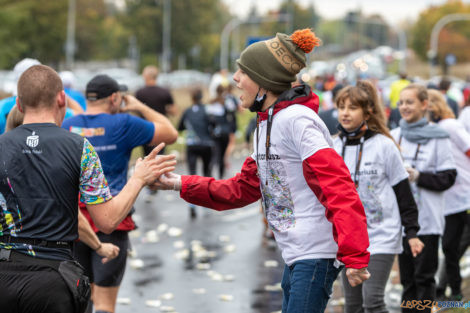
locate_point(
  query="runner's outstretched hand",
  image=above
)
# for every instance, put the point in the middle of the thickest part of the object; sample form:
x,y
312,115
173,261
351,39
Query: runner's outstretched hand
x,y
149,169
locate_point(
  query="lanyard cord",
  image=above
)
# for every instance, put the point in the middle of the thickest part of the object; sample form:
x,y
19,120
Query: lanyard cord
x,y
268,139
358,159
415,159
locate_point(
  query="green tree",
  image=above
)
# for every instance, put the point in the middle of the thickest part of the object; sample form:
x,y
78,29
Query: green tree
x,y
195,29
459,31
32,29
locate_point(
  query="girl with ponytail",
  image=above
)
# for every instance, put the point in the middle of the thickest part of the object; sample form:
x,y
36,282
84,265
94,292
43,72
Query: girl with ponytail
x,y
381,180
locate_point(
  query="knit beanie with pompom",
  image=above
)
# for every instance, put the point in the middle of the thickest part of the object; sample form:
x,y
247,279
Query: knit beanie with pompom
x,y
273,64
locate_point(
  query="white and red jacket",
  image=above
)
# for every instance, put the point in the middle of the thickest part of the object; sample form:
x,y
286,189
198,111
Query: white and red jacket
x,y
309,200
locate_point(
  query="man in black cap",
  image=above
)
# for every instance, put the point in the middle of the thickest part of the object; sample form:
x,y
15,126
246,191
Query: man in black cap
x,y
43,168
114,135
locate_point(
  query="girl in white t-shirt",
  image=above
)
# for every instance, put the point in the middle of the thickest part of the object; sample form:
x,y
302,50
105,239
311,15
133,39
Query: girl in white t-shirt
x,y
464,116
381,180
457,198
426,150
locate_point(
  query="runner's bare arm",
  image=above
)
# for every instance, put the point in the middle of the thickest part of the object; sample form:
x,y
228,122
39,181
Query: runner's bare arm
x,y
86,234
164,130
108,215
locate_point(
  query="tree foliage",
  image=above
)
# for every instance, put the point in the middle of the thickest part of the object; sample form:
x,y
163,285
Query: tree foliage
x,y
454,38
32,28
38,29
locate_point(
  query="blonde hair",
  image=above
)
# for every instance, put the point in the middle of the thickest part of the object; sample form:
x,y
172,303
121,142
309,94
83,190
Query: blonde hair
x,y
364,94
438,103
421,91
14,119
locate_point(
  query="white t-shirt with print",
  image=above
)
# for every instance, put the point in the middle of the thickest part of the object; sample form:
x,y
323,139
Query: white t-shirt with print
x,y
381,168
457,198
434,156
294,213
464,118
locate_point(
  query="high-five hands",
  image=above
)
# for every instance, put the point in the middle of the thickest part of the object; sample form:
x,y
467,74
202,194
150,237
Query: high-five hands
x,y
152,166
357,276
168,181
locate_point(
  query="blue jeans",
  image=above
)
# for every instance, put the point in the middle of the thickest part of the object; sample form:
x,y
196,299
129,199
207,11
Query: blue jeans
x,y
308,285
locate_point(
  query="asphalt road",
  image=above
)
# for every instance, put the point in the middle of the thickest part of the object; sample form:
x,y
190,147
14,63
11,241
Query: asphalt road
x,y
217,262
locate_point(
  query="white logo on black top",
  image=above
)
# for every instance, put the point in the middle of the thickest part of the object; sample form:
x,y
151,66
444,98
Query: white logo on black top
x,y
32,140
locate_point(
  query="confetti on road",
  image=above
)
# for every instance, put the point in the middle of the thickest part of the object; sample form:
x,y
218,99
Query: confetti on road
x,y
226,297
135,234
276,287
151,236
136,263
203,266
178,244
230,248
224,238
199,291
166,296
271,263
123,301
153,303
216,276
175,232
229,277
166,308
162,228
132,253
182,254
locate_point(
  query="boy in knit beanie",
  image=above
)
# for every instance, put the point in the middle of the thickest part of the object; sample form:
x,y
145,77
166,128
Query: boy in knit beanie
x,y
308,197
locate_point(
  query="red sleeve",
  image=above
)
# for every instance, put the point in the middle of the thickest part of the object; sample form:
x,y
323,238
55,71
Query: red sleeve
x,y
226,194
330,180
468,153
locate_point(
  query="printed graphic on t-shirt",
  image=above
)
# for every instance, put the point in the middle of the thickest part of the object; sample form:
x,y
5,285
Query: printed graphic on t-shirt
x,y
88,132
277,200
8,222
371,203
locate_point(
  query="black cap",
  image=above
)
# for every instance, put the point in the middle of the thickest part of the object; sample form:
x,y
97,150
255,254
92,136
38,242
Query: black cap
x,y
102,86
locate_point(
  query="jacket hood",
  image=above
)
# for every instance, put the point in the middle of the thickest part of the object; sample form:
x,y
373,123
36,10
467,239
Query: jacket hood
x,y
301,94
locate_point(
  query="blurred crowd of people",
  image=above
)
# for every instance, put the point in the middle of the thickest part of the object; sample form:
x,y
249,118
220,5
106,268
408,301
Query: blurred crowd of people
x,y
406,146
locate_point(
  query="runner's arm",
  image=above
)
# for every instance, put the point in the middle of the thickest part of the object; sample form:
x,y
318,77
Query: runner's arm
x,y
164,130
86,234
107,212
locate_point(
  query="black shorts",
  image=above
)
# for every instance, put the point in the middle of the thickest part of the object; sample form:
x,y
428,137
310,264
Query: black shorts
x,y
111,273
29,287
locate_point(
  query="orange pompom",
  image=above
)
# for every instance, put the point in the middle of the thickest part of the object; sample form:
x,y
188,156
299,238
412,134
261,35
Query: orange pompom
x,y
305,39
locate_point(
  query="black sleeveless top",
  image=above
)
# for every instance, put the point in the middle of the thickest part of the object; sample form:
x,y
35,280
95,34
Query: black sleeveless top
x,y
39,186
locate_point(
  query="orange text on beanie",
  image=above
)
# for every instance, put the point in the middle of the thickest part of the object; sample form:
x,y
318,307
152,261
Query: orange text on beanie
x,y
273,64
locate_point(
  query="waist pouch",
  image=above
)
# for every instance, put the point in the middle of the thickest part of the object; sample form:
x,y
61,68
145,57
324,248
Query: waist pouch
x,y
77,282
71,272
